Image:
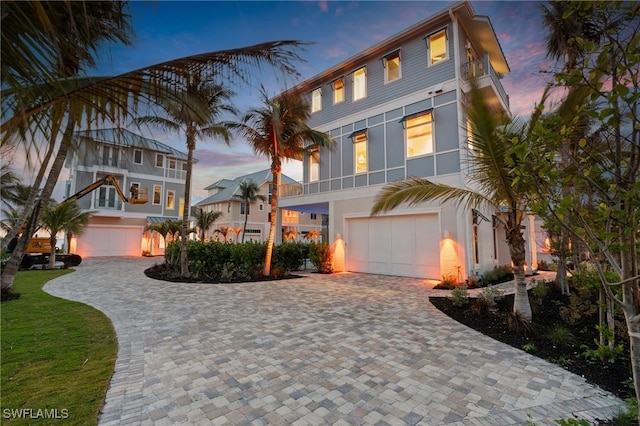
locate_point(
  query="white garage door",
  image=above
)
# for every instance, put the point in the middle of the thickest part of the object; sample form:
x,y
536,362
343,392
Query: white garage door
x,y
110,241
407,246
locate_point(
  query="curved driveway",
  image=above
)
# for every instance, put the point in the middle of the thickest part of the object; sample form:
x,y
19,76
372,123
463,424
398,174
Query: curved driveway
x,y
341,349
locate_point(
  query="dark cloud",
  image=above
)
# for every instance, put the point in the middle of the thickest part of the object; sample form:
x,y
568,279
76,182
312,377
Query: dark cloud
x,y
226,158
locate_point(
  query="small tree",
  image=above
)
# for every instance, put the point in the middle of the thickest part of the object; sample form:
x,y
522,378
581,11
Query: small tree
x,y
66,216
249,193
204,221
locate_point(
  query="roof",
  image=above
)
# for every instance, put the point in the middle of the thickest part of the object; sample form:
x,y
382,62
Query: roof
x,y
124,137
478,25
231,187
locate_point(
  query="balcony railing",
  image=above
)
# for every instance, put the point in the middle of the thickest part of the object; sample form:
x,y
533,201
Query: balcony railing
x,y
481,67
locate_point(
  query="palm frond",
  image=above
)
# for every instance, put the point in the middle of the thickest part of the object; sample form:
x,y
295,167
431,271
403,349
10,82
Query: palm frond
x,y
414,191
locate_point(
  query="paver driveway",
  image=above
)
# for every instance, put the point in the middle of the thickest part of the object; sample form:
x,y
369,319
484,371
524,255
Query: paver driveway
x,y
340,349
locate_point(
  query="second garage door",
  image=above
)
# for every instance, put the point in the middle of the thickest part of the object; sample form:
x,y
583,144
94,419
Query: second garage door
x,y
110,241
396,245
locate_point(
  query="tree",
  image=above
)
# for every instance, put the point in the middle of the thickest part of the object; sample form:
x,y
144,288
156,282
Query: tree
x,y
563,29
46,41
249,193
493,136
196,116
65,216
204,220
605,167
279,131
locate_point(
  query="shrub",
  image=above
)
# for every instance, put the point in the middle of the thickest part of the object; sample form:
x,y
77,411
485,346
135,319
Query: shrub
x,y
498,274
486,301
473,281
448,282
459,296
561,336
288,257
320,256
603,352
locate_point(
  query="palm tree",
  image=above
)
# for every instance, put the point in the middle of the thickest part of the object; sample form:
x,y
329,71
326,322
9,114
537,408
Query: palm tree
x,y
224,231
196,116
279,130
249,193
65,216
493,136
312,235
235,231
204,220
563,30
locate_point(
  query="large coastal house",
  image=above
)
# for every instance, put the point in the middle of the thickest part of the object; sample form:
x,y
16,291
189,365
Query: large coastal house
x,y
396,110
224,196
112,165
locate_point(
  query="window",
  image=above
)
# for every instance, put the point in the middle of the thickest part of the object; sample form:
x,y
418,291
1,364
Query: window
x,y
157,194
316,100
228,206
469,135
137,156
314,166
109,155
261,207
270,193
107,197
392,67
338,90
359,83
171,197
313,216
159,160
438,47
184,166
244,207
181,207
172,163
360,150
419,134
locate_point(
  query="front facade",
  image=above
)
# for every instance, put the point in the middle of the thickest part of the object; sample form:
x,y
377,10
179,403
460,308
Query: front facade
x,y
396,110
152,170
224,196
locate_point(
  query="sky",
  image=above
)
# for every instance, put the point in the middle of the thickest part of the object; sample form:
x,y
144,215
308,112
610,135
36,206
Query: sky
x,y
167,30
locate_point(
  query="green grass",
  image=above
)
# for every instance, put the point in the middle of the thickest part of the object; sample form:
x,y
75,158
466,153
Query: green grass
x,y
56,355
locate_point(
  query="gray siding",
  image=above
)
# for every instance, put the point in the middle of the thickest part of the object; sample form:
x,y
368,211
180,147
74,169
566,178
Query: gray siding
x,y
375,140
416,75
446,128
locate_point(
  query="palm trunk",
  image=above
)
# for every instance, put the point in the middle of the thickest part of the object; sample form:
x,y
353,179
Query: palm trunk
x,y
563,254
275,171
184,261
246,217
516,244
13,264
52,255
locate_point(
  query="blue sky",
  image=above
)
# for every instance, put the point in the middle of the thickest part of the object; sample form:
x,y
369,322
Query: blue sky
x,y
170,29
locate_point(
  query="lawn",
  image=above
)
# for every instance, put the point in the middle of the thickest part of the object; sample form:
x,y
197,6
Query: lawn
x,y
57,356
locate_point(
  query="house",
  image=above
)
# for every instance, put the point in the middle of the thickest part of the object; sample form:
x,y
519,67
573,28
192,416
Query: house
x,y
396,110
148,173
224,196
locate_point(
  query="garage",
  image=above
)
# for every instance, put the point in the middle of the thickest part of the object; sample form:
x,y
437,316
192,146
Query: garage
x,y
110,241
407,245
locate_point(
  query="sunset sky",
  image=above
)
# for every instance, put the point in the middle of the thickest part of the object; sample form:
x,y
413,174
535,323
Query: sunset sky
x,y
170,29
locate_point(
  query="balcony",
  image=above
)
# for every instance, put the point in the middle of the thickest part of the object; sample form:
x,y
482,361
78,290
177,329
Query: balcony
x,y
482,70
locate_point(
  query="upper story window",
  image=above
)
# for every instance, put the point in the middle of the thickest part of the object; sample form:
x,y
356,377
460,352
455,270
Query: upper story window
x,y
392,71
172,163
171,200
338,90
419,131
359,83
137,156
245,208
360,150
109,155
159,160
157,194
314,166
438,47
316,100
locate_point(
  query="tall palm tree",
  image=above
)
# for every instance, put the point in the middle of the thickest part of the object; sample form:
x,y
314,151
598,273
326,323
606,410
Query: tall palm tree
x,y
204,220
493,136
65,216
249,193
196,116
279,131
563,30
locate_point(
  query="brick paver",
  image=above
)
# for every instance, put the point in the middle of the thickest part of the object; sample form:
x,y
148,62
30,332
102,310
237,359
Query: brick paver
x,y
342,349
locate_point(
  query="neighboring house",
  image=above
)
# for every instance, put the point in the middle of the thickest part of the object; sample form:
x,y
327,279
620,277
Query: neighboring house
x,y
395,111
224,196
153,170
